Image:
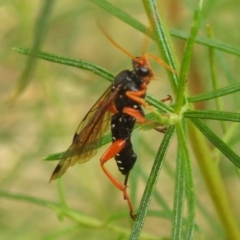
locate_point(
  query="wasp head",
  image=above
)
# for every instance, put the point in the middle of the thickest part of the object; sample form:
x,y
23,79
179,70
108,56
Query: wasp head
x,y
143,68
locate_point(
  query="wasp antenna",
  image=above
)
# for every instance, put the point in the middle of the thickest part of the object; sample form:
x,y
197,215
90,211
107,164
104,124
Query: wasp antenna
x,y
113,42
161,62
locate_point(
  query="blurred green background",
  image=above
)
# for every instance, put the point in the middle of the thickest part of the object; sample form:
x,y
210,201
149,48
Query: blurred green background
x,y
44,118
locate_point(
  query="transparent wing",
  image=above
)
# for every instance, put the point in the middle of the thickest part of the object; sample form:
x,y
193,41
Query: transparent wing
x,y
90,130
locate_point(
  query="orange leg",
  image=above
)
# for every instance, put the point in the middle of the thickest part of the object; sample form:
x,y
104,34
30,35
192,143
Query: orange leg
x,y
137,96
136,114
114,149
142,120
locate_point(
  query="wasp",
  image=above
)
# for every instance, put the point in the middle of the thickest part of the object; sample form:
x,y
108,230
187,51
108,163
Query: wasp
x,y
120,107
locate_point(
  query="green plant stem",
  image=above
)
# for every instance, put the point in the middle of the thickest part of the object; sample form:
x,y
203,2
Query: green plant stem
x,y
129,20
188,177
152,180
187,58
217,142
162,39
214,76
213,115
73,214
83,64
232,129
215,93
61,193
213,182
39,34
207,42
178,199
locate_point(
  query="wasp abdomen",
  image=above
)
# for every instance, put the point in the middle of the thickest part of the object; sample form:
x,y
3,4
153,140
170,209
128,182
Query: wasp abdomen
x,y
126,158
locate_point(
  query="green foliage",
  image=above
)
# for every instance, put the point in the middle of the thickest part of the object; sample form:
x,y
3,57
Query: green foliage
x,y
89,206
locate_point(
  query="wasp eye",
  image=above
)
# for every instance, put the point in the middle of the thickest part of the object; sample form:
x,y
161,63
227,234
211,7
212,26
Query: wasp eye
x,y
142,71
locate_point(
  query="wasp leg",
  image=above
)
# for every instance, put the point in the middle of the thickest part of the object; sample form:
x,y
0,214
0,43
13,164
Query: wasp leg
x,y
137,96
114,149
142,120
136,114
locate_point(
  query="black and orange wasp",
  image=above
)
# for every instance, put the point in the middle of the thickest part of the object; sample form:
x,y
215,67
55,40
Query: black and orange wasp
x,y
119,107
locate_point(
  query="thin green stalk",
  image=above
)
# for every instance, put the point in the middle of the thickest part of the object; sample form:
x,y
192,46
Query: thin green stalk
x,y
73,214
207,42
215,93
217,142
232,129
213,181
129,20
157,196
86,65
214,76
40,32
123,16
162,39
152,180
178,199
213,115
61,193
189,186
183,75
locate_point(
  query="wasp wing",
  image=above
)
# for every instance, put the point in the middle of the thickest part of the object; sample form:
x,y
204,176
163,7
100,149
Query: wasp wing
x,y
90,130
